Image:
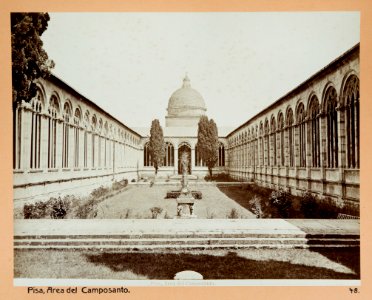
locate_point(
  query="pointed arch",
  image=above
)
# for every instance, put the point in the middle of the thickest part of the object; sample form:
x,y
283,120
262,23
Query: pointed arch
x,y
281,138
168,155
290,141
330,104
301,125
37,106
77,121
314,130
352,118
273,139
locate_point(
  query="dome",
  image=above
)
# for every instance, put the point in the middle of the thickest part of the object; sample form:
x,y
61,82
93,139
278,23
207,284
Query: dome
x,y
186,102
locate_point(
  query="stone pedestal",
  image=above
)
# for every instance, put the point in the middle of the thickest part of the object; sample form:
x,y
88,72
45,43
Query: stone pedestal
x,y
185,206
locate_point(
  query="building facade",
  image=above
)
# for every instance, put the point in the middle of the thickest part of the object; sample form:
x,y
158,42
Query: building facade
x,y
308,140
64,143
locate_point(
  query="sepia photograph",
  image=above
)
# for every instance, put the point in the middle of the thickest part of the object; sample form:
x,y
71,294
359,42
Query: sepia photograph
x,y
186,148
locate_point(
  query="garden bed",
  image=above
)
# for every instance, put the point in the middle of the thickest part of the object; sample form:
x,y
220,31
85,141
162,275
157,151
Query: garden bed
x,y
70,206
268,203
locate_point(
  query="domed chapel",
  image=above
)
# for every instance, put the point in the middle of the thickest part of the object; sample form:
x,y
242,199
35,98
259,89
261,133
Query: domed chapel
x,y
185,107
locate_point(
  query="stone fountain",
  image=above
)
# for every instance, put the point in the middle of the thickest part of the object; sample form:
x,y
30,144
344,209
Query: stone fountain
x,y
185,201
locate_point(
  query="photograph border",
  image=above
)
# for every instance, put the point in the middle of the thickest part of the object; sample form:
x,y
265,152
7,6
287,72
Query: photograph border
x,y
341,291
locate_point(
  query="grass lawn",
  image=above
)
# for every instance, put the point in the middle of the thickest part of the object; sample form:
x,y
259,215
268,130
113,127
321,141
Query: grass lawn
x,y
212,264
136,202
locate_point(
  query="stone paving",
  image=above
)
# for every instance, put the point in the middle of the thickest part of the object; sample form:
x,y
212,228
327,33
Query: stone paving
x,y
174,226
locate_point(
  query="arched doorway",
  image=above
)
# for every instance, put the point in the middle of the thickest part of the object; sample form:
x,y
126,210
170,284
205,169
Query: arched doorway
x,y
184,147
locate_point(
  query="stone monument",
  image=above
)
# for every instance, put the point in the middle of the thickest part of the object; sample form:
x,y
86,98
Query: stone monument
x,y
185,201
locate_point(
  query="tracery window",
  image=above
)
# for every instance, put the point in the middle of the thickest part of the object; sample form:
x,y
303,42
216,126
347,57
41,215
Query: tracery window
x,y
169,155
87,122
301,125
262,152
249,148
100,143
351,100
105,142
290,137
221,155
314,131
53,111
94,126
332,138
65,133
273,140
36,105
267,143
256,147
77,119
281,138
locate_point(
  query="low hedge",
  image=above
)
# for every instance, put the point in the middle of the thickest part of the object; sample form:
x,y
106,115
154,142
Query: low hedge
x,y
175,194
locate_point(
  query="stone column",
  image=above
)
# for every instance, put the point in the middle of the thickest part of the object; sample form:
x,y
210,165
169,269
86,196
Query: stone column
x,y
341,148
323,148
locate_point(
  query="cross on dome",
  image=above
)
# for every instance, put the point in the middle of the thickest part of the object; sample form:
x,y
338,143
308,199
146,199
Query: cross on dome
x,y
186,81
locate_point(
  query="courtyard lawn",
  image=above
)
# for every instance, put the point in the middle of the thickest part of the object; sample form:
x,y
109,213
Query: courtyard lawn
x,y
136,202
212,264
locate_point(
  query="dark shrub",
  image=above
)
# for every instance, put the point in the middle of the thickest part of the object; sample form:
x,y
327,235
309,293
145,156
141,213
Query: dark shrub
x,y
53,208
155,211
257,207
197,195
350,208
87,209
327,209
133,180
282,200
309,205
117,185
175,194
59,207
99,192
37,210
172,195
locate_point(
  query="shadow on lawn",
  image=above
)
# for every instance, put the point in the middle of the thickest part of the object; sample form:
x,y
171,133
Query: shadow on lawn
x,y
347,257
236,194
230,266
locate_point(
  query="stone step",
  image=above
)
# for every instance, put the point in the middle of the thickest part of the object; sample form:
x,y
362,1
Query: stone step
x,y
253,234
115,248
185,234
182,241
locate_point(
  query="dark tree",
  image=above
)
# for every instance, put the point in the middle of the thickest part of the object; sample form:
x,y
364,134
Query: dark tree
x,y
156,145
29,59
208,142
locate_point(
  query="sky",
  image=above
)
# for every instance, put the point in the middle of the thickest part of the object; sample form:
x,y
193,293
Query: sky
x,y
130,63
